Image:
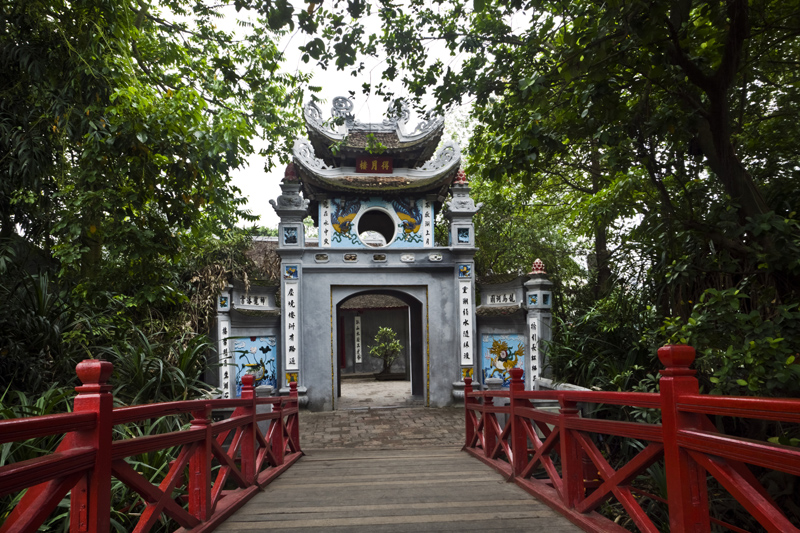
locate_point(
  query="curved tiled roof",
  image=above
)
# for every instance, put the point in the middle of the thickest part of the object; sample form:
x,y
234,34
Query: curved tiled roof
x,y
485,310
326,161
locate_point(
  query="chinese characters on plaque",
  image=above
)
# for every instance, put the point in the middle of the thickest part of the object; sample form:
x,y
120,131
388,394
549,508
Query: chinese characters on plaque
x,y
465,322
534,326
376,165
357,323
249,300
503,298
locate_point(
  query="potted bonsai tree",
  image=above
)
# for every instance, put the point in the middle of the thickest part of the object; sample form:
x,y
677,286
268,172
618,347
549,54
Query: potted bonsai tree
x,y
387,348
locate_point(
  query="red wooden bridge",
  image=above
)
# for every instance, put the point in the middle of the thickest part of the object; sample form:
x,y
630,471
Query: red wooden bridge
x,y
555,456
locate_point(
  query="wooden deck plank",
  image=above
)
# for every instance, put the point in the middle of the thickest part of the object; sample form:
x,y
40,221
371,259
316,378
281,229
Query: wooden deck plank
x,y
391,491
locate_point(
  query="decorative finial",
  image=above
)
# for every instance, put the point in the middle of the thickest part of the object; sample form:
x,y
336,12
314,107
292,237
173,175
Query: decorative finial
x,y
461,177
291,173
538,267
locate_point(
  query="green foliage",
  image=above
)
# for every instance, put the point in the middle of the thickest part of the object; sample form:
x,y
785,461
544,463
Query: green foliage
x,y
386,347
604,346
741,351
374,146
149,370
658,137
261,231
44,333
17,404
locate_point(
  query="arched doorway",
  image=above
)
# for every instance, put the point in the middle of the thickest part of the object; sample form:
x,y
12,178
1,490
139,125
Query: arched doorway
x,y
358,317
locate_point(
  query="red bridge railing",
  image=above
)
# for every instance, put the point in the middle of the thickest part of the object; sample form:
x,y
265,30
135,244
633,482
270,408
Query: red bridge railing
x,y
575,478
87,458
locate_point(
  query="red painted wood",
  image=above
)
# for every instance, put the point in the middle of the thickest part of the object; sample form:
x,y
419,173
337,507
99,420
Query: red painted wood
x,y
489,424
686,481
690,444
293,424
20,429
571,456
774,456
19,476
276,432
781,409
200,465
469,414
519,436
248,446
86,459
92,496
750,498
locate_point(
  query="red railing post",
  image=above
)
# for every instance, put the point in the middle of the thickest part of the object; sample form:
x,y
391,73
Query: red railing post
x,y
571,455
469,428
489,434
278,442
686,480
519,438
295,425
90,501
200,467
248,448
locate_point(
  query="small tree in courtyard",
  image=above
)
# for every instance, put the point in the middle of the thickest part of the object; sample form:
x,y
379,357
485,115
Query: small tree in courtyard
x,y
386,348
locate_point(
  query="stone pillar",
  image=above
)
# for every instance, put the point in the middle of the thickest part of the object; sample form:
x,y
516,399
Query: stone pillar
x,y
539,301
292,209
459,211
225,360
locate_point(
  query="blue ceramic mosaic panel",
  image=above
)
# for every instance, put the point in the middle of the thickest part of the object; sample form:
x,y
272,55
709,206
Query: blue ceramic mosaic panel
x,y
501,353
412,218
256,354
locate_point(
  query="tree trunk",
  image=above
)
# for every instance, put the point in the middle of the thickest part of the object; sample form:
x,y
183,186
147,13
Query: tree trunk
x,y
602,256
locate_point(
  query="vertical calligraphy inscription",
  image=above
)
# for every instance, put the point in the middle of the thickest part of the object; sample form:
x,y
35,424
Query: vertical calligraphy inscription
x,y
291,322
325,224
357,323
534,327
428,224
465,322
226,369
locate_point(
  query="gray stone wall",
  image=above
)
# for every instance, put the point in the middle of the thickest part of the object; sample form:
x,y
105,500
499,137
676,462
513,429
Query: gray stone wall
x,y
324,286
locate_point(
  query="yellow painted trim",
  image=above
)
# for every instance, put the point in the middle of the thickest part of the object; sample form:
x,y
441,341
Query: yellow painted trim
x,y
427,350
333,377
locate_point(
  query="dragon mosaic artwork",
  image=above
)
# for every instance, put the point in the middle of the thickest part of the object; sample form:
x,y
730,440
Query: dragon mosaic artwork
x,y
500,359
342,216
410,220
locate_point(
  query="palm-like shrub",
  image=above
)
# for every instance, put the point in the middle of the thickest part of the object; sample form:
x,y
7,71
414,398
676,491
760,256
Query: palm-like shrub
x,y
386,348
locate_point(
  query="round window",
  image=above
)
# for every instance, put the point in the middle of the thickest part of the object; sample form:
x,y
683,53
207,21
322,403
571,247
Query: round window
x,y
376,228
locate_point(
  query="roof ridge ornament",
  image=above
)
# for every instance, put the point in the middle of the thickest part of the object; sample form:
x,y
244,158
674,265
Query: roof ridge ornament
x,y
342,108
396,121
313,116
537,268
304,151
449,152
430,121
397,113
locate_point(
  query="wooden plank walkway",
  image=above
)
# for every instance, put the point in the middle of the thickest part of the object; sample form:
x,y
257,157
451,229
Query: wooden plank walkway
x,y
393,490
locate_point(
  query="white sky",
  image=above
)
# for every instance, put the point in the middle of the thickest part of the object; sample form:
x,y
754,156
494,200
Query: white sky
x,y
260,187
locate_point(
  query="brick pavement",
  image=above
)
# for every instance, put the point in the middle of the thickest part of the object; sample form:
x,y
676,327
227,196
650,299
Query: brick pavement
x,y
393,427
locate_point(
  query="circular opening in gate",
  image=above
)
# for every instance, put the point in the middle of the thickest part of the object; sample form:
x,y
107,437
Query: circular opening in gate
x,y
376,228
